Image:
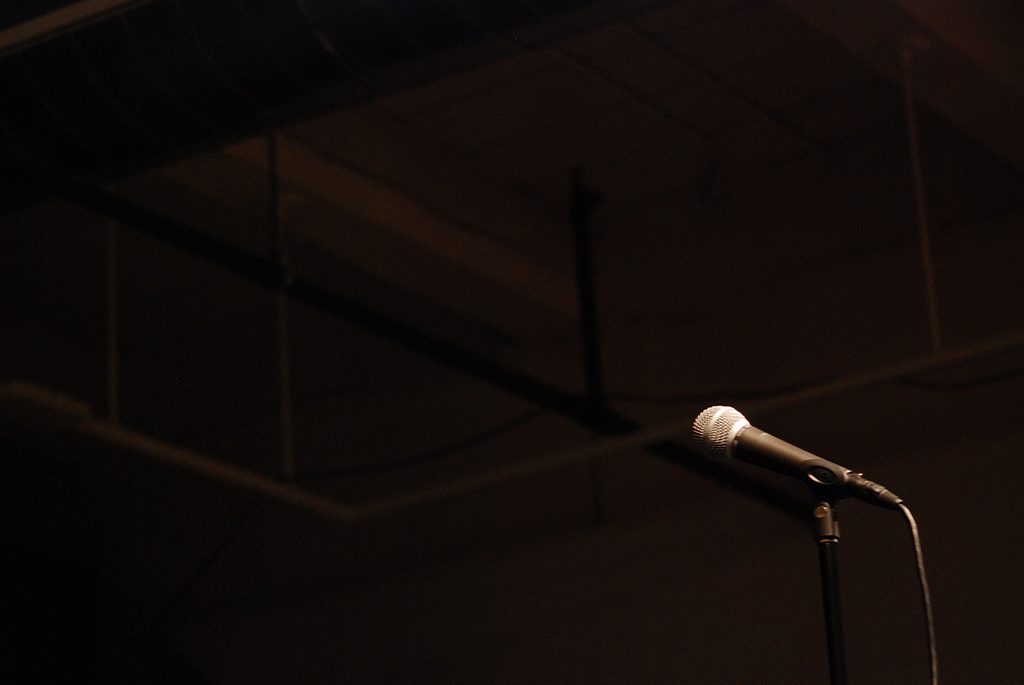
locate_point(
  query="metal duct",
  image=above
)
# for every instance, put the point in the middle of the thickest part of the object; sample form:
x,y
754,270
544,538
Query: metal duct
x,y
156,80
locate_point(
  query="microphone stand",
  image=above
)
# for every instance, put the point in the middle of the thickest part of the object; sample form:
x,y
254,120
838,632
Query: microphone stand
x,y
826,533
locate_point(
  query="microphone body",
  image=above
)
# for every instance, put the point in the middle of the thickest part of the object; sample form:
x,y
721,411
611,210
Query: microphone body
x,y
723,433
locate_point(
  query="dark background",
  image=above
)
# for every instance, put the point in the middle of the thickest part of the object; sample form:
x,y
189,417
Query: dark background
x,y
506,254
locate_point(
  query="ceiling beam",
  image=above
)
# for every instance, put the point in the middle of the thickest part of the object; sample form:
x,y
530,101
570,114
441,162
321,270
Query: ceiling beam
x,y
305,172
985,32
953,72
60,22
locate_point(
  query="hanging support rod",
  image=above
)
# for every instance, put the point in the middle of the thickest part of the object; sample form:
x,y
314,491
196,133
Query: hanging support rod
x,y
581,210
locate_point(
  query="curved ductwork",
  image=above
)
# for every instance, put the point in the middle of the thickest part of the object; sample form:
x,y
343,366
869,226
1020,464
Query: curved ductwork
x,y
153,81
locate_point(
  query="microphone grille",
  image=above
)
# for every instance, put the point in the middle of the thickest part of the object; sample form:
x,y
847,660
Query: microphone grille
x,y
715,428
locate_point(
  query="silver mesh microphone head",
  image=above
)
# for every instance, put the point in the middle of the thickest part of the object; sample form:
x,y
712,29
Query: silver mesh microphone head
x,y
715,429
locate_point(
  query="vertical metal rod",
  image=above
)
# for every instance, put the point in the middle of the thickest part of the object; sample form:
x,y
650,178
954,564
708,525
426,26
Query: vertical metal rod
x,y
284,354
826,533
919,198
581,208
833,615
274,200
112,324
283,323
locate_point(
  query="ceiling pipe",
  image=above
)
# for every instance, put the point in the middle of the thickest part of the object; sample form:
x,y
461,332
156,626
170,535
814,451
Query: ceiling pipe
x,y
48,414
51,418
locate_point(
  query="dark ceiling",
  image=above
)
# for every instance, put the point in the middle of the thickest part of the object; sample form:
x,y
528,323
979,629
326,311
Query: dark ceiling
x,y
359,342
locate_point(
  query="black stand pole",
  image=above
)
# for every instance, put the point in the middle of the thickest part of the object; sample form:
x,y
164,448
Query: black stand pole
x,y
826,533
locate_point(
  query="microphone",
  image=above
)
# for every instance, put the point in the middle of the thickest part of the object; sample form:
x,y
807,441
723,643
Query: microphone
x,y
723,433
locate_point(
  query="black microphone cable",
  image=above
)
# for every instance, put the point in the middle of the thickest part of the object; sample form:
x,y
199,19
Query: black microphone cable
x,y
926,597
